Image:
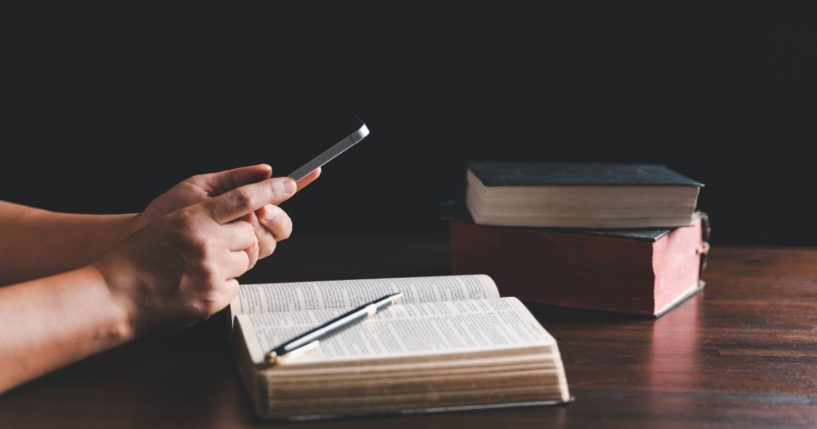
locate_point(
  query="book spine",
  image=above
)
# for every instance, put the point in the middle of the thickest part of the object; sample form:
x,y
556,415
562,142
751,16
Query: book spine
x,y
677,260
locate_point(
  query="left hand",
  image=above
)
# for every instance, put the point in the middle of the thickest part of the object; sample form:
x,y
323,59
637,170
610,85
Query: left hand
x,y
271,224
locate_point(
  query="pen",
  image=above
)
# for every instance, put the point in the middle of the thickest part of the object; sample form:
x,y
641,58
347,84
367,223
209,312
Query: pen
x,y
311,339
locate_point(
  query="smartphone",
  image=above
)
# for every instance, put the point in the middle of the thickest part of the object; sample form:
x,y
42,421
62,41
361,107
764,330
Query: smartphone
x,y
349,131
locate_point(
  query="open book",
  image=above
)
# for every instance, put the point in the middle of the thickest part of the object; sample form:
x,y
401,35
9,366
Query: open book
x,y
449,343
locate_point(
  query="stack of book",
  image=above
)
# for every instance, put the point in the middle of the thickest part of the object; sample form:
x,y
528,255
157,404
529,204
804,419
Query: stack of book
x,y
614,237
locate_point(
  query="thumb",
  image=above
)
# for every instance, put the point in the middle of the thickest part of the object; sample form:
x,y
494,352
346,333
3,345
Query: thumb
x,y
249,198
223,181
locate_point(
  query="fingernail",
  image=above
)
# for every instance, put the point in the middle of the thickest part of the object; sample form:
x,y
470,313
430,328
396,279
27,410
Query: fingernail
x,y
290,186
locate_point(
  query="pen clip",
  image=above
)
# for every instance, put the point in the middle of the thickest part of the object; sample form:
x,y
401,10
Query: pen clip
x,y
371,310
274,359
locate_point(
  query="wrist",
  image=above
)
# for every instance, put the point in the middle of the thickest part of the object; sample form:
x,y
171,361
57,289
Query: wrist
x,y
133,222
117,298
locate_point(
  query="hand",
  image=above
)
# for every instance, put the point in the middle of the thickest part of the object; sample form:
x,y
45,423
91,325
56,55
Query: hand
x,y
182,267
269,222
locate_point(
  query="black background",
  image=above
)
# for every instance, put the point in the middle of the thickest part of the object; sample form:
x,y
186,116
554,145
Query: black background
x,y
104,109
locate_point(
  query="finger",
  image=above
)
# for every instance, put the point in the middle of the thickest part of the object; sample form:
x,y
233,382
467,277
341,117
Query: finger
x,y
254,250
226,293
309,178
231,289
223,181
235,264
277,221
266,241
238,235
249,198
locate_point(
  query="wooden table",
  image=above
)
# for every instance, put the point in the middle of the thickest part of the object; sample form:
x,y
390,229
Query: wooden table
x,y
743,354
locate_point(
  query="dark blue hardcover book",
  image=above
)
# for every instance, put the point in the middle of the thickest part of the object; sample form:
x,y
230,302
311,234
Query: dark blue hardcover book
x,y
572,174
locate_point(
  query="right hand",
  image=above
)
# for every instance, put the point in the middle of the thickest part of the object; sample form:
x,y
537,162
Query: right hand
x,y
267,220
182,267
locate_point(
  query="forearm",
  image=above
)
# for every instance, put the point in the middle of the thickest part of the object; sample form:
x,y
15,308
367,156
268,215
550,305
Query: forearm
x,y
37,243
51,322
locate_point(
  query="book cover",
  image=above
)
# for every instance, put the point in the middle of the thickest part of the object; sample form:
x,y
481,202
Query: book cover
x,y
575,174
645,272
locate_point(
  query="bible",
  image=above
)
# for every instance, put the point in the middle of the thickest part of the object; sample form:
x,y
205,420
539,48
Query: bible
x,y
450,343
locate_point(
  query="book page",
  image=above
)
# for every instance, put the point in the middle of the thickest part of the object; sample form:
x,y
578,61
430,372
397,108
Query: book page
x,y
348,294
403,330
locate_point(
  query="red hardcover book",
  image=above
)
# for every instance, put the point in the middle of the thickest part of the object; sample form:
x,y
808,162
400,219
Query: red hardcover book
x,y
646,272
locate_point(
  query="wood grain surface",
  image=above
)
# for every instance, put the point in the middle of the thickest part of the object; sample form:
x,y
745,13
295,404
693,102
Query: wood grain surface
x,y
743,354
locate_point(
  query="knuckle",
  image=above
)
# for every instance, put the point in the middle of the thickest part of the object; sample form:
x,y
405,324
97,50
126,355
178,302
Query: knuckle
x,y
189,232
252,253
199,246
184,219
188,222
207,271
243,197
253,219
249,229
281,187
278,189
